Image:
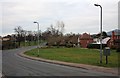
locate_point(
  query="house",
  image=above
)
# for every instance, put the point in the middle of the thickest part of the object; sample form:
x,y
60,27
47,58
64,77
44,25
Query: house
x,y
85,39
104,40
114,41
8,42
8,38
0,42
5,39
0,39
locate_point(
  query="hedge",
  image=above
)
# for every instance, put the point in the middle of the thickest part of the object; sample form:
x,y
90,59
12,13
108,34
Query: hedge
x,y
96,46
8,45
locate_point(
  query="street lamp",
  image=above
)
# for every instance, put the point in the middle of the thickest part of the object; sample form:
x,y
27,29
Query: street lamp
x,y
38,35
101,32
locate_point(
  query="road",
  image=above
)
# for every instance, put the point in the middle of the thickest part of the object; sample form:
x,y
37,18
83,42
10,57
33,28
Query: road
x,y
14,65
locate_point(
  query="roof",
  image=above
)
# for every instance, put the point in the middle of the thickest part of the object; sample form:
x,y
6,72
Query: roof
x,y
104,41
85,36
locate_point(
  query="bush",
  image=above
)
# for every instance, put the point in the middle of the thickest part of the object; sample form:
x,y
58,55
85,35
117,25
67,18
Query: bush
x,y
9,45
113,47
69,45
118,49
96,46
45,47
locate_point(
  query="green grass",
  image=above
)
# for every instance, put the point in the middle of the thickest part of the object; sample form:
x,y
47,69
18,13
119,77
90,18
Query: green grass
x,y
76,55
32,43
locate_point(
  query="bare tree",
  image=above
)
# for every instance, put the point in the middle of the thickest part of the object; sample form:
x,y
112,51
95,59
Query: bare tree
x,y
19,32
60,25
54,34
34,36
30,36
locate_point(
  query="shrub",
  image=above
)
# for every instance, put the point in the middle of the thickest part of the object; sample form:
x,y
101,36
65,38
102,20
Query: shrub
x,y
9,45
69,45
118,49
96,46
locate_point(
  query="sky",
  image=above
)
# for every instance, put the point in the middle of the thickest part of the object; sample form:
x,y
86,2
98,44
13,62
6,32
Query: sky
x,y
79,16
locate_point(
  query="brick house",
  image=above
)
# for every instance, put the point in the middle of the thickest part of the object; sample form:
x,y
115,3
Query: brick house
x,y
114,42
85,39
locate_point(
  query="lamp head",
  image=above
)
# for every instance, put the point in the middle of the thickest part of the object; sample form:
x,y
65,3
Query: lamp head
x,y
96,4
34,22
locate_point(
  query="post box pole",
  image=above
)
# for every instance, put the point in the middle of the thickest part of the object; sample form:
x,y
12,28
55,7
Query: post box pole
x,y
106,59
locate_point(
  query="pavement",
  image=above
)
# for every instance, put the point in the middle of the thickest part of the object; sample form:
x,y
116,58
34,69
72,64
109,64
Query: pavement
x,y
83,66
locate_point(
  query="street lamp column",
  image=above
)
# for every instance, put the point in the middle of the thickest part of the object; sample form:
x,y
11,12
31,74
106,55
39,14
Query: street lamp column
x,y
38,36
100,32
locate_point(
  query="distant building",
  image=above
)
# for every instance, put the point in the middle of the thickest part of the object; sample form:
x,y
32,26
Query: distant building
x,y
5,39
85,39
8,42
104,40
8,38
114,41
0,42
0,38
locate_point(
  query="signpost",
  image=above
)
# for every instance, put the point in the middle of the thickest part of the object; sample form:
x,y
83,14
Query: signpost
x,y
106,53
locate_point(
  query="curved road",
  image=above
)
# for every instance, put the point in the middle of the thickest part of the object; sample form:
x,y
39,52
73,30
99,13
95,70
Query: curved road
x,y
14,65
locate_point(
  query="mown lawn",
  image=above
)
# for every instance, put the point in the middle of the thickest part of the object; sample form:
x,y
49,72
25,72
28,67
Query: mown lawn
x,y
76,55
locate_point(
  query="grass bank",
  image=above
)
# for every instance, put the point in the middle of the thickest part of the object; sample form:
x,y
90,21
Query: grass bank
x,y
75,55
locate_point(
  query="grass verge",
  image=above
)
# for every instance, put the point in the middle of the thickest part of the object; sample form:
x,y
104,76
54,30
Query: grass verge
x,y
75,55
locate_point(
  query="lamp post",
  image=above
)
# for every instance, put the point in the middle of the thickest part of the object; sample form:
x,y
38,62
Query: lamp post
x,y
100,32
38,35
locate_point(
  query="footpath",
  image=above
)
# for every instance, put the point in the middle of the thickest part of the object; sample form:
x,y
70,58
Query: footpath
x,y
83,66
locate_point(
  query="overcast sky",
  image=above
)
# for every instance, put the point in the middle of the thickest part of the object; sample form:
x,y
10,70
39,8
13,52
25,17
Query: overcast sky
x,y
79,16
